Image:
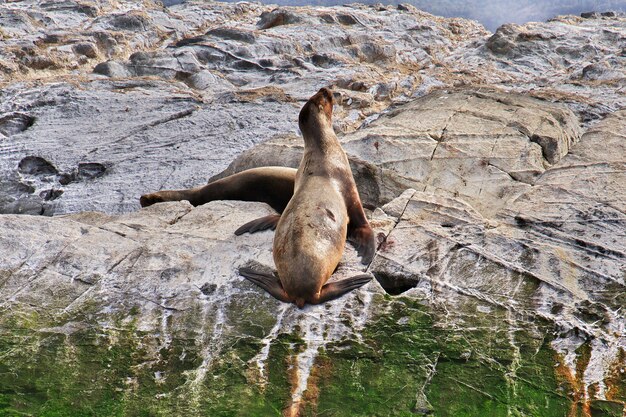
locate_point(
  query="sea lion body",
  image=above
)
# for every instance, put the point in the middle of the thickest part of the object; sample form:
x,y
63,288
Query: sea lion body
x,y
311,233
310,237
271,185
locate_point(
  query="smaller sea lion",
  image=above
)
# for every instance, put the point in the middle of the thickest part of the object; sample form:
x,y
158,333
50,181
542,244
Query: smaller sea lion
x,y
271,185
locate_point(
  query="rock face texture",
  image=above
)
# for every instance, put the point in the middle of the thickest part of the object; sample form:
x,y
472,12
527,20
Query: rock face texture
x,y
493,168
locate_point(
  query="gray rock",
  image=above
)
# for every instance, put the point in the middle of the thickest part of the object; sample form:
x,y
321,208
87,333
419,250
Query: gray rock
x,y
132,22
562,60
230,34
13,123
277,17
30,204
499,211
485,146
35,165
141,131
87,49
112,69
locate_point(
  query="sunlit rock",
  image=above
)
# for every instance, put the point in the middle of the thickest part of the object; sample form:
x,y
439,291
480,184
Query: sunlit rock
x,y
491,166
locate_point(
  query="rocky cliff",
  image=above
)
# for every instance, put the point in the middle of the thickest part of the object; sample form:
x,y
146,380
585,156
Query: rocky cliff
x,y
493,168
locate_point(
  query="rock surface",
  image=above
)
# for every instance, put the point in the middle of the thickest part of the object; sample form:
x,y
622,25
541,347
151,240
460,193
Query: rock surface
x,y
493,167
487,147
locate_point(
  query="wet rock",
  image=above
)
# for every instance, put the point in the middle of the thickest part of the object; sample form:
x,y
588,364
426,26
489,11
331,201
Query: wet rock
x,y
50,194
13,123
36,165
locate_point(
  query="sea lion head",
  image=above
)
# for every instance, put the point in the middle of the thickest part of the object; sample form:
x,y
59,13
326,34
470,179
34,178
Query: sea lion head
x,y
316,115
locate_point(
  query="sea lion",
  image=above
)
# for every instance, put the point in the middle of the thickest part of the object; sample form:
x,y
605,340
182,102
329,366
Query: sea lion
x,y
311,233
271,185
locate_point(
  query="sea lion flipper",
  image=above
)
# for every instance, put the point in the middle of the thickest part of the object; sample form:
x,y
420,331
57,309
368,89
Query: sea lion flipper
x,y
257,225
150,199
269,283
337,289
362,238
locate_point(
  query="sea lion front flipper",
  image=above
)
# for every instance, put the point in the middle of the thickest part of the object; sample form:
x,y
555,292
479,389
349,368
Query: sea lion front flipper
x,y
337,289
257,225
269,283
362,238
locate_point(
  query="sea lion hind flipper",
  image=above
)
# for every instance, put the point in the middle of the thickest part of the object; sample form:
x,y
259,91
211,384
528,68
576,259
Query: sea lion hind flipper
x,y
257,225
362,238
337,289
147,200
268,282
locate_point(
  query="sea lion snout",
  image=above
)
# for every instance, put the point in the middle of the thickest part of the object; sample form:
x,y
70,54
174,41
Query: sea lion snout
x,y
321,103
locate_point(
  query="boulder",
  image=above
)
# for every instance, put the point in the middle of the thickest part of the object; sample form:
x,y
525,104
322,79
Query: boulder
x,y
486,147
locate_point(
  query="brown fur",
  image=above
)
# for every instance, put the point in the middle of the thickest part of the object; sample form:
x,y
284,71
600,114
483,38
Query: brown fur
x,y
311,234
271,185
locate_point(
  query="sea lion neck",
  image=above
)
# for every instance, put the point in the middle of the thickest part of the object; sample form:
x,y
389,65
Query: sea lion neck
x,y
315,121
322,139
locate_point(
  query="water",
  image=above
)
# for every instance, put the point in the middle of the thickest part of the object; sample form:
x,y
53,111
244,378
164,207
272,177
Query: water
x,y
491,13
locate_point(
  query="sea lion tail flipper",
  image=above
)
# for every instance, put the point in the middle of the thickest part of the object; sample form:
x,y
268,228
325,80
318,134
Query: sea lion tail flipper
x,y
362,238
150,199
264,223
339,288
268,282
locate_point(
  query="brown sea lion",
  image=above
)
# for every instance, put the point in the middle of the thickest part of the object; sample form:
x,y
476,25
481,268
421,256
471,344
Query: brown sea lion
x,y
274,186
311,233
271,185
